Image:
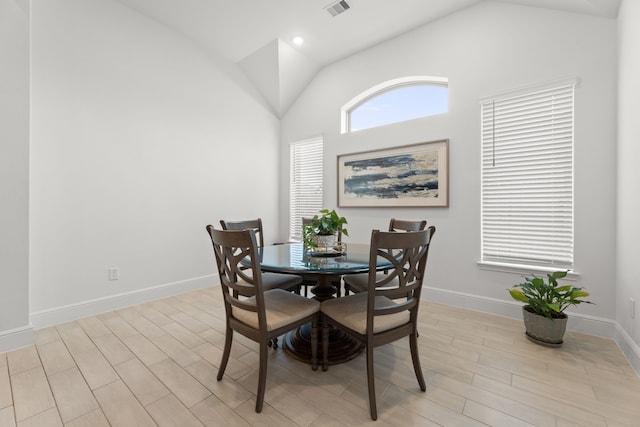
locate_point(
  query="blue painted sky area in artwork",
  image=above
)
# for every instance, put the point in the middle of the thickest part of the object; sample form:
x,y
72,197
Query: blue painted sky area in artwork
x,y
398,176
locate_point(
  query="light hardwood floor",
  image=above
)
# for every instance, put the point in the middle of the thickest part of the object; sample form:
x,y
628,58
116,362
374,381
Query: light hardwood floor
x,y
156,364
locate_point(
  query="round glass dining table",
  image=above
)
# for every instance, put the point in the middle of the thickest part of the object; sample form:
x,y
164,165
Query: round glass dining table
x,y
323,268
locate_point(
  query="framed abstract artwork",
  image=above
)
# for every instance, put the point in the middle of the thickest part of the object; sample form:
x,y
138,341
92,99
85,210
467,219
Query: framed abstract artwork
x,y
408,176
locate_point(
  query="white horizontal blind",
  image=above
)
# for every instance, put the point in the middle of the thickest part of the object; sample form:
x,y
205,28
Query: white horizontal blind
x,y
305,186
527,178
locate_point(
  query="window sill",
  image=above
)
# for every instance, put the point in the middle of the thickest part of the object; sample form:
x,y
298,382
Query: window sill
x,y
523,269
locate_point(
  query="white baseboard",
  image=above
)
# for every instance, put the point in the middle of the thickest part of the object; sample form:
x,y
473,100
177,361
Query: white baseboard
x,y
577,322
16,338
68,313
629,348
583,323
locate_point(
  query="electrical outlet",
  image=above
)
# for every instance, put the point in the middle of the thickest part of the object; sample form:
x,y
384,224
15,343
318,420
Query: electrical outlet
x,y
114,273
632,308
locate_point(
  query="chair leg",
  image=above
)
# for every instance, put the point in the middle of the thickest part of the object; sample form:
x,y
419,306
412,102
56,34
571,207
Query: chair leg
x,y
273,343
325,343
314,343
228,339
338,284
262,376
372,384
413,345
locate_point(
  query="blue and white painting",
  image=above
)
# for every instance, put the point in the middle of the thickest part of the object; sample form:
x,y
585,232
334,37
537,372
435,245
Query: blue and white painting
x,y
410,178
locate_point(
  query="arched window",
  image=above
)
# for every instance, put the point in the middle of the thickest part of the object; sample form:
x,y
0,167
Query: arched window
x,y
397,100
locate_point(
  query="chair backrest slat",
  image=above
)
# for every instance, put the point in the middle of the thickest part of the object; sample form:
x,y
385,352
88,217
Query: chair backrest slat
x,y
406,225
239,269
252,224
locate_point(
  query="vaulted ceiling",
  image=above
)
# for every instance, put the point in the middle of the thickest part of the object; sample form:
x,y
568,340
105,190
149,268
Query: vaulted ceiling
x,y
257,34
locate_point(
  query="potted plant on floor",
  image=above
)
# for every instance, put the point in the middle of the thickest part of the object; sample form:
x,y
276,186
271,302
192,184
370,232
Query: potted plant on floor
x,y
323,230
545,301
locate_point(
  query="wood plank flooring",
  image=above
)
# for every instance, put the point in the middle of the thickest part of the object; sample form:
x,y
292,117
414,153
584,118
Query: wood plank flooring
x,y
155,364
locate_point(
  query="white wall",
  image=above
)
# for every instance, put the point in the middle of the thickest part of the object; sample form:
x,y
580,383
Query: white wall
x,y
628,177
483,50
14,176
139,139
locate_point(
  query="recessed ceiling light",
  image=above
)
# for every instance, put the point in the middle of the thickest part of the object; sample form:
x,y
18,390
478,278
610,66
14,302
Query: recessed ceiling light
x,y
297,40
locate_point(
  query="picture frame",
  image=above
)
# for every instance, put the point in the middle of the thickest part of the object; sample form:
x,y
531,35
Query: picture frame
x,y
414,175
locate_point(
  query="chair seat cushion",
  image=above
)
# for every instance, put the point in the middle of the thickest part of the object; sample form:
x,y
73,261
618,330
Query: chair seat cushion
x,y
280,280
281,308
351,311
360,282
277,280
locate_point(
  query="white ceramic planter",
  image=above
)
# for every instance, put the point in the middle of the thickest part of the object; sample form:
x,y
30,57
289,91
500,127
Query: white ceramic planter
x,y
542,330
326,241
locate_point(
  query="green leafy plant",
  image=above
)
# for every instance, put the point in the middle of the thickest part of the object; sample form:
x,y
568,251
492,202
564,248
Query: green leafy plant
x,y
326,224
548,298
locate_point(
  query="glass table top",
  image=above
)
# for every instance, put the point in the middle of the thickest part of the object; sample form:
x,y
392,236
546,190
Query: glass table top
x,y
291,258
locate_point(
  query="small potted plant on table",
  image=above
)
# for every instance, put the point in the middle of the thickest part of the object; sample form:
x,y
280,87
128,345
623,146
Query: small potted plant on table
x,y
321,233
545,301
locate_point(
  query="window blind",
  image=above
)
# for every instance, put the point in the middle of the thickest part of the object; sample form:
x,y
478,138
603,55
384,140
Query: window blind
x,y
527,178
305,186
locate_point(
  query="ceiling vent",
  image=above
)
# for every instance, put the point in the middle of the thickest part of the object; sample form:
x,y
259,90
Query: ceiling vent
x,y
337,8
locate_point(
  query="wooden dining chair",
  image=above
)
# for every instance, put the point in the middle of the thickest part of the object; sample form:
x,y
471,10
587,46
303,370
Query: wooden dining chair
x,y
389,311
268,313
358,282
289,282
270,280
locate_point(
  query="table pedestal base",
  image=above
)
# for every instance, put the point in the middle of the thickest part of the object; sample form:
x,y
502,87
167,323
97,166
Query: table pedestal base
x,y
342,347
